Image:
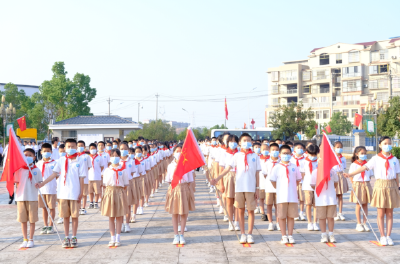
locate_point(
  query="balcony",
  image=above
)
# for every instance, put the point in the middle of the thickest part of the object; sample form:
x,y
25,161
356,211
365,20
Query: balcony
x,y
321,77
351,89
336,103
351,74
354,102
323,90
316,105
275,90
289,91
288,79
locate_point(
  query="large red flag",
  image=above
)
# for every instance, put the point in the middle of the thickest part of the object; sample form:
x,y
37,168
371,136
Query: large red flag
x,y
190,159
328,160
15,160
22,123
328,129
357,119
226,110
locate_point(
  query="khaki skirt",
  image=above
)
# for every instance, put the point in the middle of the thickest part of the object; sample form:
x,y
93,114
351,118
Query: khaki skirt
x,y
385,194
343,186
229,183
146,185
139,184
114,203
363,191
180,200
135,192
129,193
300,192
192,186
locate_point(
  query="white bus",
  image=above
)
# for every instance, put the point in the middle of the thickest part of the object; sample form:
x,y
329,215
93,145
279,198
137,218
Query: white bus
x,y
258,133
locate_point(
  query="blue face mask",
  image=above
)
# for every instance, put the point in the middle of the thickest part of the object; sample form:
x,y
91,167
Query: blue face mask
x,y
299,151
139,155
114,160
134,144
233,145
267,144
62,154
81,149
132,156
362,157
280,145
312,158
246,145
130,145
213,143
275,153
387,148
124,153
285,157
339,150
108,148
46,155
265,152
115,146
257,150
93,151
29,159
70,151
238,148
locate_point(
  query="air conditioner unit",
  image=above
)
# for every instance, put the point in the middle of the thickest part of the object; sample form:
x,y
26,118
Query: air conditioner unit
x,y
366,85
394,57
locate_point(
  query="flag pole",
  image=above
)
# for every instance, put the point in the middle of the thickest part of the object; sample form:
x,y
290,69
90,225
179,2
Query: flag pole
x,y
223,206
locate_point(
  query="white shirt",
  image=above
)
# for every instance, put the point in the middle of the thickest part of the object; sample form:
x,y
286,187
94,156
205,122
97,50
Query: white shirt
x,y
28,146
286,189
262,177
187,177
110,177
88,164
378,165
70,190
139,171
245,177
55,155
26,190
130,167
306,186
301,163
225,159
94,173
143,165
51,187
327,195
266,170
105,156
358,177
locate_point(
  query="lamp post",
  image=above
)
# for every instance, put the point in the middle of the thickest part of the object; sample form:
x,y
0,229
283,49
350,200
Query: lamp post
x,y
188,114
7,114
375,110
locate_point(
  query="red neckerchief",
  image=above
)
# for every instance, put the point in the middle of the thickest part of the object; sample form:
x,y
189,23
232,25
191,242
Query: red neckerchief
x,y
108,152
264,158
274,162
340,158
148,154
80,154
387,164
30,173
361,164
246,164
137,162
223,147
164,149
287,170
230,151
297,160
44,166
93,160
310,164
66,164
118,170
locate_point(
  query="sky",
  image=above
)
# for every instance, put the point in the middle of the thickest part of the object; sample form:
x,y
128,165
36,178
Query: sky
x,y
193,54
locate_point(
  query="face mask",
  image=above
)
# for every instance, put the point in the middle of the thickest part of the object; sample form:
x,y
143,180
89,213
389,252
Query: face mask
x,y
232,145
275,153
339,150
161,146
246,145
177,155
265,152
132,156
71,151
141,143
267,144
81,149
138,155
285,157
280,145
257,151
108,148
29,159
93,151
130,145
312,158
362,157
238,148
208,143
214,143
115,146
124,153
62,154
134,144
387,148
114,160
46,155
299,151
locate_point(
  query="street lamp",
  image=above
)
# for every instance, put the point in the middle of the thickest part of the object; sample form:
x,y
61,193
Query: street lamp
x,y
375,110
6,113
188,114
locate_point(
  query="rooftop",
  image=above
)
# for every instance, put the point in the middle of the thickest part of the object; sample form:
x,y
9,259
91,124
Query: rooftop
x,y
23,85
96,119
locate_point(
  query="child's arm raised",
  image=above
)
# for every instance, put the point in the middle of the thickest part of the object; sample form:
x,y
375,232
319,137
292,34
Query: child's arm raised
x,y
49,179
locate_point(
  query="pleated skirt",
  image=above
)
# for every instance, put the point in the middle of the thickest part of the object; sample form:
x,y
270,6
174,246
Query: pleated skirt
x,y
180,200
385,194
114,202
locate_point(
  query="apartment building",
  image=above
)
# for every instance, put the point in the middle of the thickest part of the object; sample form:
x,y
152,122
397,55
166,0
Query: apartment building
x,y
338,78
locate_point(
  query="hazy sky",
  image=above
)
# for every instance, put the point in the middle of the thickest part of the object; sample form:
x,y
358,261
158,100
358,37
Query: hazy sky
x,y
192,53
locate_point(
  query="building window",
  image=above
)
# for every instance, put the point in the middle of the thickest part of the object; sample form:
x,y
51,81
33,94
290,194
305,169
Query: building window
x,y
324,59
65,134
382,96
306,89
314,88
324,88
396,93
338,58
275,76
352,86
325,114
354,56
345,112
336,111
320,75
275,89
353,112
306,76
351,99
349,72
318,114
379,55
396,83
288,75
378,69
383,54
275,101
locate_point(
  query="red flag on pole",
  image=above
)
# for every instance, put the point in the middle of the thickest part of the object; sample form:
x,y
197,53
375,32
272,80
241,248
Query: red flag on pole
x,y
15,159
328,129
190,159
226,110
22,123
328,159
244,127
357,119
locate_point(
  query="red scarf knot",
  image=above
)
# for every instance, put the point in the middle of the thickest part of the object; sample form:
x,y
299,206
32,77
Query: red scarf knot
x,y
246,164
67,157
93,158
30,171
297,160
287,170
44,166
310,165
387,164
118,170
361,164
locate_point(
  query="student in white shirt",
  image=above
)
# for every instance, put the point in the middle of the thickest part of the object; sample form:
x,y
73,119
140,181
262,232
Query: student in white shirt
x,y
142,165
94,176
385,195
221,156
88,164
342,186
298,159
212,150
247,165
260,206
69,189
285,177
49,192
55,154
26,197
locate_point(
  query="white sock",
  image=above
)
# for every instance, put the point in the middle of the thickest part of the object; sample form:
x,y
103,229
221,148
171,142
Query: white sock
x,y
117,238
284,236
323,234
330,233
112,238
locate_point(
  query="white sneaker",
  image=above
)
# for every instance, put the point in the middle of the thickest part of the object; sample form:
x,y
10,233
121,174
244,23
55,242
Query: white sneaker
x,y
278,227
31,244
140,211
257,210
145,204
324,238
117,243
156,190
250,239
218,204
342,218
284,240
243,239
383,241
211,189
302,217
182,240
24,244
388,239
310,227
176,240
237,228
332,238
366,228
297,218
44,230
127,228
221,210
271,227
60,221
80,212
226,218
360,228
291,240
163,182
336,218
316,227
185,228
133,219
231,227
152,195
123,228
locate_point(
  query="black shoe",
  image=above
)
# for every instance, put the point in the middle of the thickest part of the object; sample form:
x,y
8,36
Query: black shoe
x,y
264,217
11,200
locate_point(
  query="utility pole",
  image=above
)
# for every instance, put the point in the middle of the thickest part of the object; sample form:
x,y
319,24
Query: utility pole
x,y
157,107
390,84
109,105
138,110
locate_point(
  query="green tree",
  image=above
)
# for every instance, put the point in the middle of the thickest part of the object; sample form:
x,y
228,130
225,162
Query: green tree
x,y
339,124
288,120
388,122
154,130
310,130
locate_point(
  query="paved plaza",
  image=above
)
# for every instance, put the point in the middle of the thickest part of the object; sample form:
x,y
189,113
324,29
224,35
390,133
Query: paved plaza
x,y
208,239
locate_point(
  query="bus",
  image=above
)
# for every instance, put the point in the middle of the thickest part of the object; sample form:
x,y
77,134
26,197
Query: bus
x,y
256,134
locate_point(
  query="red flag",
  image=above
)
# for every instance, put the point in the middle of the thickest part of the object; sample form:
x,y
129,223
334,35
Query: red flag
x,y
244,126
328,160
22,123
15,160
328,129
190,159
357,119
226,110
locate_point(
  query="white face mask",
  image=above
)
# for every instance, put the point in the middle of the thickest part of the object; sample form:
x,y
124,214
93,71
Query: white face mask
x,y
177,155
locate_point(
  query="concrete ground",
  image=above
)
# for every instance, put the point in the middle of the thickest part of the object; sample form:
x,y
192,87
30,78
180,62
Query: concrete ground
x,y
208,239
